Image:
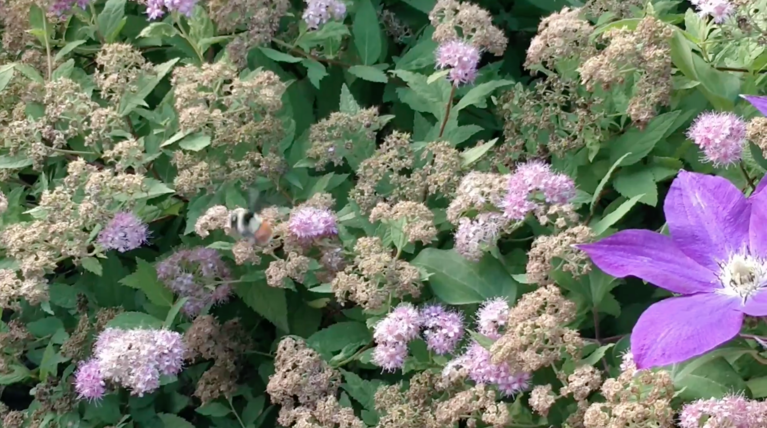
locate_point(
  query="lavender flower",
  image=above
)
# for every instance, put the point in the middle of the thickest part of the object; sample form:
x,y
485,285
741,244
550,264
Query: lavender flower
x,y
473,237
532,177
307,223
718,10
157,8
492,316
477,361
721,136
731,411
390,356
123,233
715,258
401,325
461,58
89,383
759,102
60,7
134,359
442,329
194,274
318,12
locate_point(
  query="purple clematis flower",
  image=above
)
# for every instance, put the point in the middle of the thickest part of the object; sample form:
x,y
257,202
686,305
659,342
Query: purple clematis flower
x,y
759,102
716,258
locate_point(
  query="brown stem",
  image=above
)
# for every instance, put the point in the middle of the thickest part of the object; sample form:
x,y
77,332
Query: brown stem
x,y
447,112
595,313
748,177
130,127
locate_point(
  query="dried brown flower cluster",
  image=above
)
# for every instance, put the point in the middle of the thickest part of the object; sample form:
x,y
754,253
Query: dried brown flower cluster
x,y
64,220
305,387
756,132
475,25
643,53
562,35
262,18
412,219
618,8
14,15
536,334
394,27
636,397
410,177
579,384
478,191
375,276
77,346
238,115
120,66
222,343
294,267
13,344
127,154
557,111
341,134
427,401
548,248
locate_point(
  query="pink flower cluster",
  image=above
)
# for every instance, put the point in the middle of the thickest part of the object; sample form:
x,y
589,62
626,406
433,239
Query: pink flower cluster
x,y
718,10
318,12
721,137
732,411
307,223
198,275
474,236
461,58
442,330
134,359
157,8
491,318
123,233
532,179
60,7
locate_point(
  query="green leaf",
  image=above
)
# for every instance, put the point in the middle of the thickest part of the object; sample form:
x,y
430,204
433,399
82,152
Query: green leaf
x,y
15,162
640,142
146,84
47,326
424,97
637,181
253,409
195,142
129,320
315,71
371,74
468,157
348,104
267,301
173,421
64,70
610,219
30,72
337,336
715,378
279,56
419,56
605,179
92,264
360,389
69,47
457,281
367,33
145,279
598,354
214,409
110,20
478,94
424,6
159,30
18,374
6,74
758,387
173,311
600,284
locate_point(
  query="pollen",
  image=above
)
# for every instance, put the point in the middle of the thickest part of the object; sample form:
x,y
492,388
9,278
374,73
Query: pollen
x,y
743,275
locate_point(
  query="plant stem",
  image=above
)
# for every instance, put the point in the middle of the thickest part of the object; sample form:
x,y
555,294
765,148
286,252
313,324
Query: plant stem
x,y
447,112
47,48
595,313
183,33
748,177
356,354
74,152
242,424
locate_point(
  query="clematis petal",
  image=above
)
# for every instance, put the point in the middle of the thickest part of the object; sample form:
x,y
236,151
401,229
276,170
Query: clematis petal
x,y
708,217
680,328
757,231
652,257
756,306
759,102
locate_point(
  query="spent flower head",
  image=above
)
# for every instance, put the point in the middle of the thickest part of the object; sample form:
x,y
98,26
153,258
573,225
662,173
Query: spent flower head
x,y
198,274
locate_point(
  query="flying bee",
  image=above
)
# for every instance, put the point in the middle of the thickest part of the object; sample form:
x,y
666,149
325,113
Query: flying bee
x,y
248,223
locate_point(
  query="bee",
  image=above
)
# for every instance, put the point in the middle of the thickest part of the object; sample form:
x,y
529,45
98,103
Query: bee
x,y
248,223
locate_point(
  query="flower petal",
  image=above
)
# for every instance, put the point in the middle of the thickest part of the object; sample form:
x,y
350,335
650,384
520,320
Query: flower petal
x,y
757,231
759,102
652,257
680,328
707,217
756,306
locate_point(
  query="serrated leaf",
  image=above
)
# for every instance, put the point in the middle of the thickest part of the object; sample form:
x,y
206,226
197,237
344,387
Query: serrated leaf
x,y
439,74
129,320
419,56
195,142
269,302
145,279
457,281
335,337
360,389
110,19
18,373
423,96
15,162
6,74
279,56
214,409
30,72
367,33
69,47
468,157
478,94
610,219
348,104
371,74
605,179
175,137
598,354
630,183
173,312
640,142
315,71
173,421
92,264
159,30
146,84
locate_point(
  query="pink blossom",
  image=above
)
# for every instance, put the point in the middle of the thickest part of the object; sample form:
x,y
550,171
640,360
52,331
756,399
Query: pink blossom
x,y
318,12
390,356
477,361
461,58
89,383
721,137
196,274
123,233
531,178
718,10
400,325
475,236
731,411
312,223
492,316
442,329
